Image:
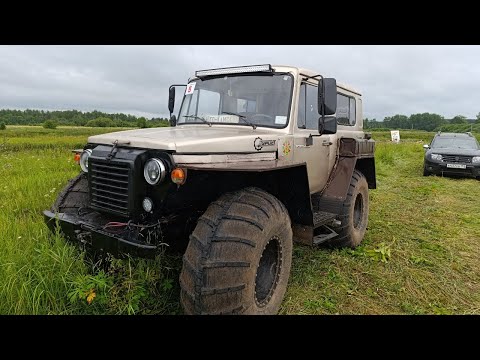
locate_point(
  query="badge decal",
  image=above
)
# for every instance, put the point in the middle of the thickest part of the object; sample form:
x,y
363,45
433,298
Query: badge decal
x,y
287,147
258,143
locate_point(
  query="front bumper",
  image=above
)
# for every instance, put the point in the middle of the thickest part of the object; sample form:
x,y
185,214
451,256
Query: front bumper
x,y
440,168
96,237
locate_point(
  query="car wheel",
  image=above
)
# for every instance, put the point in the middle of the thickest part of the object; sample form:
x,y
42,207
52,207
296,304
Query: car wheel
x,y
426,172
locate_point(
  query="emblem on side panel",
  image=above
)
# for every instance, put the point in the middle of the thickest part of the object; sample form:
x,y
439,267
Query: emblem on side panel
x,y
258,143
287,148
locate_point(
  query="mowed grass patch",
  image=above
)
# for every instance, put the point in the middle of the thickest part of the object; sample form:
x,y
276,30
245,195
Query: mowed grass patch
x,y
20,138
420,254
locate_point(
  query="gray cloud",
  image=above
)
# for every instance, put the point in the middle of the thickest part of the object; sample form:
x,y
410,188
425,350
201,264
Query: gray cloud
x,y
135,79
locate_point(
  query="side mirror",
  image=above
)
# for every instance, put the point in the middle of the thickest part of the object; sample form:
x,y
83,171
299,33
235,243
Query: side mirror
x,y
327,96
173,121
328,125
171,98
426,147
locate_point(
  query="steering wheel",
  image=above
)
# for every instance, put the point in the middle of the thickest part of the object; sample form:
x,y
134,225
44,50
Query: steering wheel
x,y
264,116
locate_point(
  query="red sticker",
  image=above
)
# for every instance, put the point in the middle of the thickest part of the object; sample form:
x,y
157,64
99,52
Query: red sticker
x,y
190,88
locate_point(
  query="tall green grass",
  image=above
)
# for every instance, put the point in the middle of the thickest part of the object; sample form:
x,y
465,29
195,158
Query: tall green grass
x,y
420,254
39,272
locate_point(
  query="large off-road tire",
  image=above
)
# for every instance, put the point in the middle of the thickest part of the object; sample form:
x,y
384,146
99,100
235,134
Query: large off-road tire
x,y
71,200
239,256
353,214
73,196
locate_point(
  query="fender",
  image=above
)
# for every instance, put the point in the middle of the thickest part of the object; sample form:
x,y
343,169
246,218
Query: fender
x,y
352,154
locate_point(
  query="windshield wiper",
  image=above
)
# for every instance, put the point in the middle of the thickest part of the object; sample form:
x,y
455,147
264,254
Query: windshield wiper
x,y
199,118
243,117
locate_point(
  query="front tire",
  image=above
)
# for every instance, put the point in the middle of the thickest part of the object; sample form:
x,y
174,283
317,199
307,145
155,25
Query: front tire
x,y
239,256
71,200
426,172
73,196
353,214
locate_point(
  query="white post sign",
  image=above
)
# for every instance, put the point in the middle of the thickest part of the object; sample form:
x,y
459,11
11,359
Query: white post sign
x,y
395,136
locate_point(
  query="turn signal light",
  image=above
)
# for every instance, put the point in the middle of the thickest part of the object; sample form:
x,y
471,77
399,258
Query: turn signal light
x,y
77,158
179,176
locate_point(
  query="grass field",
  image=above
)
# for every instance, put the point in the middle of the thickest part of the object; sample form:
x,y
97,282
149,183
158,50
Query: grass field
x,y
420,254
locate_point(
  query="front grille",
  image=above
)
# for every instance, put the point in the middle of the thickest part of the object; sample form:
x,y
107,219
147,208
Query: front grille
x,y
457,159
109,185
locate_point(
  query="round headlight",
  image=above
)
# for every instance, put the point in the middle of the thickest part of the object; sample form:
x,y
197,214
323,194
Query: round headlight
x,y
154,171
84,159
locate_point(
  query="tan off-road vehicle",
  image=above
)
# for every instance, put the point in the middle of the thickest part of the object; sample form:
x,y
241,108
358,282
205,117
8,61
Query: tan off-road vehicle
x,y
256,158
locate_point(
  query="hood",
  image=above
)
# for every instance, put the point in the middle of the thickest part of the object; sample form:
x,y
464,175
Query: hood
x,y
455,151
195,139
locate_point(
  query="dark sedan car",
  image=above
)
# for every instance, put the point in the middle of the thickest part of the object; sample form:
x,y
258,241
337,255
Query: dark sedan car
x,y
452,153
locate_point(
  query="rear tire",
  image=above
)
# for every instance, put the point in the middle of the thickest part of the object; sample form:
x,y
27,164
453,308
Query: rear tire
x,y
239,256
353,214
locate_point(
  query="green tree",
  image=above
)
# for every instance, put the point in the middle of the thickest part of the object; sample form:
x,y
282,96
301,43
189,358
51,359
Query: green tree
x,y
50,124
365,123
397,122
101,122
77,118
459,119
426,121
478,119
3,126
142,122
158,122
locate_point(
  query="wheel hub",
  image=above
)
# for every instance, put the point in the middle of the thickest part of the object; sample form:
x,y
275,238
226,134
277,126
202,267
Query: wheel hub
x,y
358,212
268,272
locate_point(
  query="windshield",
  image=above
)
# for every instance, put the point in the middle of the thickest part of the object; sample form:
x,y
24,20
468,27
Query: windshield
x,y
261,100
455,142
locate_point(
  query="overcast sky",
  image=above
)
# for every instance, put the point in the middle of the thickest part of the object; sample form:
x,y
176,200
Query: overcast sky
x,y
135,79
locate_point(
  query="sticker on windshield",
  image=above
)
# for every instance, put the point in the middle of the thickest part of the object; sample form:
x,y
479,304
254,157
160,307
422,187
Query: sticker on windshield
x,y
190,88
229,119
280,120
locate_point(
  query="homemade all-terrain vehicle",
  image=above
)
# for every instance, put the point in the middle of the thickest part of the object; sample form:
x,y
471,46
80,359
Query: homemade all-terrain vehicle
x,y
257,157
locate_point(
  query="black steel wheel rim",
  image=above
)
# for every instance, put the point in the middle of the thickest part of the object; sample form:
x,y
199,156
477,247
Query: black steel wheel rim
x,y
268,272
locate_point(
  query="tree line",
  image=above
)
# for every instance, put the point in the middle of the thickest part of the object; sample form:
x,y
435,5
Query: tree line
x,y
425,121
51,119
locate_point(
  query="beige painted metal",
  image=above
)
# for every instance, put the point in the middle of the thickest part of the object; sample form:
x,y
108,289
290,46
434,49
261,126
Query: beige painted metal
x,y
224,158
203,144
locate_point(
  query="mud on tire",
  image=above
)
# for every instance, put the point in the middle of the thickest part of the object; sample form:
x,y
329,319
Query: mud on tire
x,y
73,196
71,199
239,256
353,214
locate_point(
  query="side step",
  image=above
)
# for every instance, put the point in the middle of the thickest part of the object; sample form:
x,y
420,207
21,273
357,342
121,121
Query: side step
x,y
322,218
321,238
322,232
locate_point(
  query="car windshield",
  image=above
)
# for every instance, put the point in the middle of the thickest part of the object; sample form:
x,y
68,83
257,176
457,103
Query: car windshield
x,y
455,142
261,100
